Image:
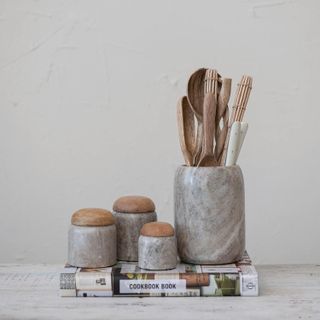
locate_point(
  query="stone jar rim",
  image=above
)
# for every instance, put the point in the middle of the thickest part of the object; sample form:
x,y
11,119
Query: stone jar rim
x,y
208,168
157,237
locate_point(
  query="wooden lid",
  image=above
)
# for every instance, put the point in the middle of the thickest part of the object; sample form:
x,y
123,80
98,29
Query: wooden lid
x,y
92,217
157,229
134,204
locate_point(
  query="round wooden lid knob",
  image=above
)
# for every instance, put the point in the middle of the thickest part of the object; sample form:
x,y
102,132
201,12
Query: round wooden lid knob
x,y
157,229
134,204
90,217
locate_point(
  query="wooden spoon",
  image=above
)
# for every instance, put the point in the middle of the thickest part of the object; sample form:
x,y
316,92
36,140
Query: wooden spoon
x,y
186,128
195,93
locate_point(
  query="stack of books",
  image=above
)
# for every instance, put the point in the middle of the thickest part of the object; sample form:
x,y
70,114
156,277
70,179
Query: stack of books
x,y
187,280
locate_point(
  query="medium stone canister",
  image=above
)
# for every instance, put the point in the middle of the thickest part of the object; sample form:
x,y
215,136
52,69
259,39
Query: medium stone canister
x,y
92,239
209,208
131,213
157,247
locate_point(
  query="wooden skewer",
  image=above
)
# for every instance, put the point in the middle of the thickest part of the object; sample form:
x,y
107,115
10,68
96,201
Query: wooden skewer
x,y
239,98
246,98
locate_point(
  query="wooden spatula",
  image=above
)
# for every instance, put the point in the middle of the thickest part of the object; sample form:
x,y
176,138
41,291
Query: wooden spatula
x,y
186,128
209,115
209,111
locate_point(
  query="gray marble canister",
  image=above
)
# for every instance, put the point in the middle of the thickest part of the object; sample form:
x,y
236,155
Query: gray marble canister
x,y
131,213
157,247
209,209
92,239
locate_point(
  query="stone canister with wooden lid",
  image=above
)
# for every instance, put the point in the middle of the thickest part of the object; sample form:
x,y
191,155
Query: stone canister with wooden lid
x,y
157,246
131,213
92,239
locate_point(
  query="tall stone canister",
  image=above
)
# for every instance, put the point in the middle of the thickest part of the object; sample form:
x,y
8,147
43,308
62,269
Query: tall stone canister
x,y
209,214
131,213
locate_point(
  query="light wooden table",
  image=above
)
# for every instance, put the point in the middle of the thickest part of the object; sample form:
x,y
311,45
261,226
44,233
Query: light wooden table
x,y
286,292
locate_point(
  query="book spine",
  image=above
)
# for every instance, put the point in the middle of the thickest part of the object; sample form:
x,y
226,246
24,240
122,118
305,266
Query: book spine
x,y
68,284
179,284
148,284
85,284
249,284
106,284
94,284
222,284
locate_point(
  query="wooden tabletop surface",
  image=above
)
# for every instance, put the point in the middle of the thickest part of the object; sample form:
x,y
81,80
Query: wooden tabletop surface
x,y
286,292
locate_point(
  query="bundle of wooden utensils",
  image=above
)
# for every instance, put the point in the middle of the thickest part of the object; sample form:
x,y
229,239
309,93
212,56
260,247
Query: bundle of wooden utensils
x,y
208,135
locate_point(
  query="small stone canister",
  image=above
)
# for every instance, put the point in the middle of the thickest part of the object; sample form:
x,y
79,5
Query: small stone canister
x,y
131,213
209,214
92,239
157,247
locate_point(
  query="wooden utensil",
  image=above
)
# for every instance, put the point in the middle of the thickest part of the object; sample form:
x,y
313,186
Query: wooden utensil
x,y
244,89
186,128
239,107
222,118
209,114
195,94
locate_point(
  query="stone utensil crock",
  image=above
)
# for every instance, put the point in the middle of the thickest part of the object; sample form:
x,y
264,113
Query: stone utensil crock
x,y
209,208
92,239
131,213
157,247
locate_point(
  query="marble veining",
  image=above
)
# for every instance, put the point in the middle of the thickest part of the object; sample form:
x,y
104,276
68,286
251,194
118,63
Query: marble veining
x,y
157,253
92,247
128,231
209,214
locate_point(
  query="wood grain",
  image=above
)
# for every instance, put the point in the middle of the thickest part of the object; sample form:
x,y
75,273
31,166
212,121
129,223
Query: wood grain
x,y
238,109
195,95
209,114
134,204
209,107
92,217
186,130
195,91
222,118
157,229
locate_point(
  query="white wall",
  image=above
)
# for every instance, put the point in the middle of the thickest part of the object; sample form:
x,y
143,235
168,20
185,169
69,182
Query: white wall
x,y
88,91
